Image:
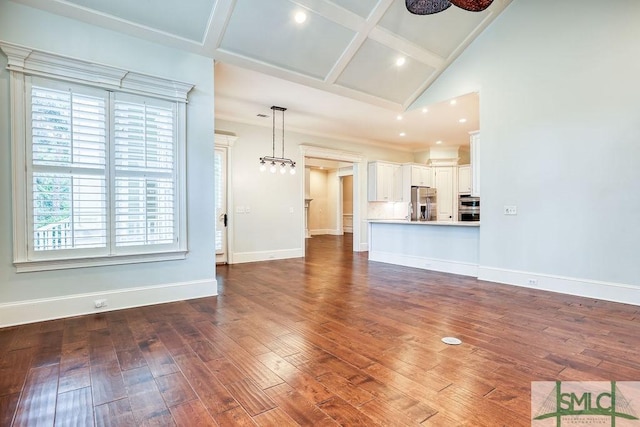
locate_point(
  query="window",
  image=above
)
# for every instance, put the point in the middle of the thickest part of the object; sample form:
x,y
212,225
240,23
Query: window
x,y
99,170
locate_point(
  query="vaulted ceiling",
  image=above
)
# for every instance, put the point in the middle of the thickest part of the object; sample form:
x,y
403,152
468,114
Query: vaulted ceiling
x,y
345,51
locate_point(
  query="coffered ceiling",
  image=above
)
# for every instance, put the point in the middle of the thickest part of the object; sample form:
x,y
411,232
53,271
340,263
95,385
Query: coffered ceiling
x,y
345,48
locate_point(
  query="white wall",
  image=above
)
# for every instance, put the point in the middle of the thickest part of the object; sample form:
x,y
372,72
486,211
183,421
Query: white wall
x,y
560,138
65,292
270,231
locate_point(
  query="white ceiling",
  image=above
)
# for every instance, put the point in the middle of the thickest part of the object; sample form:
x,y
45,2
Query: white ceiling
x,y
335,73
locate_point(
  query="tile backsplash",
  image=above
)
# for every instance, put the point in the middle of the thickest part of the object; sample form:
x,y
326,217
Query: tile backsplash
x,y
385,210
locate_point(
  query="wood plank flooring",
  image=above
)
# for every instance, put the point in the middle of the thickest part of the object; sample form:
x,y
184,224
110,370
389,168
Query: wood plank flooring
x,y
332,339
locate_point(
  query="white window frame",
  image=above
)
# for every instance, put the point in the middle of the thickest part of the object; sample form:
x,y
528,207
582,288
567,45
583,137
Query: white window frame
x,y
25,62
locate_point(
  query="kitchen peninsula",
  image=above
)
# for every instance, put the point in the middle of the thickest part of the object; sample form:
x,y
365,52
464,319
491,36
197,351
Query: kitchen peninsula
x,y
446,246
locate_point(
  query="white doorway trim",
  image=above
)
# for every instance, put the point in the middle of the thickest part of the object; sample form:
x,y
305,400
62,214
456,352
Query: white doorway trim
x,y
359,170
226,141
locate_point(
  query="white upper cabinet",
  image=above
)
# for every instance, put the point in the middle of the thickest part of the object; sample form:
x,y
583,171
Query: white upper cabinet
x,y
464,179
384,182
420,175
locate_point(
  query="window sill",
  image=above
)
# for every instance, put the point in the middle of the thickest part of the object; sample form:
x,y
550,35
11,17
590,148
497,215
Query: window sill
x,y
61,264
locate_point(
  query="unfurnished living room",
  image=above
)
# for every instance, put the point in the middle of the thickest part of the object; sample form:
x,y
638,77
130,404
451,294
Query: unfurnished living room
x,y
319,212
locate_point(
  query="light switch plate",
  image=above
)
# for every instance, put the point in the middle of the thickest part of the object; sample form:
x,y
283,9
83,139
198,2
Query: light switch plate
x,y
510,210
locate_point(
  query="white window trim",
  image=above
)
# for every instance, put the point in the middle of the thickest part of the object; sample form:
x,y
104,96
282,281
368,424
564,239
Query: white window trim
x,y
22,62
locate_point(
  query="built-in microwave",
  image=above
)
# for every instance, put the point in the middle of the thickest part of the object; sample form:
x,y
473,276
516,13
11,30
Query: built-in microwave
x,y
469,208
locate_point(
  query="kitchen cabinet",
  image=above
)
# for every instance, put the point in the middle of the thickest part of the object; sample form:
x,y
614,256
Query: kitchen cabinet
x,y
475,163
384,182
421,176
417,175
464,179
444,178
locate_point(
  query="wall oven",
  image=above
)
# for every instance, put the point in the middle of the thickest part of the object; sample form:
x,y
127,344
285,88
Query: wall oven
x,y
469,208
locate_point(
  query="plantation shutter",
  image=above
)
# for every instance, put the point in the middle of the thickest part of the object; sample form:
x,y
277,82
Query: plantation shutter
x,y
145,172
68,164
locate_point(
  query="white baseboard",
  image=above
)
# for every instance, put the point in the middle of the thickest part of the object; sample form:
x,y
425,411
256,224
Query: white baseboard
x,y
364,247
445,266
608,291
75,305
347,229
242,257
321,231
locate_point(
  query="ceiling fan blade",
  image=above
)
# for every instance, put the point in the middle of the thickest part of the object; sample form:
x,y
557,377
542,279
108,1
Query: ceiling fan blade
x,y
426,7
472,5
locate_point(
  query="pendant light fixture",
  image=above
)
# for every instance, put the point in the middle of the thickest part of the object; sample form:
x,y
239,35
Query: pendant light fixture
x,y
429,7
273,161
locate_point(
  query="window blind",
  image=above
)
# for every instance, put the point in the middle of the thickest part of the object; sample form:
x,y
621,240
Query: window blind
x,y
145,151
69,163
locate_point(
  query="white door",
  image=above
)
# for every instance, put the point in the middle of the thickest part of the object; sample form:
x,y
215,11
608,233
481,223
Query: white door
x,y
444,185
221,204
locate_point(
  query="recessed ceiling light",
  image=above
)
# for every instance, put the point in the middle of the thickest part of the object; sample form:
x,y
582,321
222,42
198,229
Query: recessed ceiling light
x,y
453,102
399,117
402,134
438,142
425,110
400,61
462,121
300,17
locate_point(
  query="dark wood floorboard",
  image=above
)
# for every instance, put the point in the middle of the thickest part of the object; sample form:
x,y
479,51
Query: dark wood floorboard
x,y
331,339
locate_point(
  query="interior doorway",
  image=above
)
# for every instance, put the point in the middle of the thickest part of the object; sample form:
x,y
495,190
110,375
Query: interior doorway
x,y
328,197
343,164
346,190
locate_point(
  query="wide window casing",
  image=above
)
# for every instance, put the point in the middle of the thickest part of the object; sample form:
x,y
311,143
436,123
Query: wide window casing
x,y
99,163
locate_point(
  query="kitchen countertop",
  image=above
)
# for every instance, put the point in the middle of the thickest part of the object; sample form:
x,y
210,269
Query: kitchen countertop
x,y
443,223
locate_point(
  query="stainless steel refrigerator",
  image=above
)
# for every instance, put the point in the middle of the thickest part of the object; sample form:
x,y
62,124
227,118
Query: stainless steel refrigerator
x,y
423,204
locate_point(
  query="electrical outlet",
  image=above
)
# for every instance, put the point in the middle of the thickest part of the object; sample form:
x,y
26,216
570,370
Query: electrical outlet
x,y
247,209
239,209
100,303
533,282
510,210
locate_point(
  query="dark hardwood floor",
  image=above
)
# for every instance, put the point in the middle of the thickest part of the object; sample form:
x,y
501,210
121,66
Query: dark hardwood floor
x,y
331,339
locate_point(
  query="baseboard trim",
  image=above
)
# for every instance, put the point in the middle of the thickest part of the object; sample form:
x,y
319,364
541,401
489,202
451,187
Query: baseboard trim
x,y
321,231
39,310
445,266
242,257
607,291
347,229
363,247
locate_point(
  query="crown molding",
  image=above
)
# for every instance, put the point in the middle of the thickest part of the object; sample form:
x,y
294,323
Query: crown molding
x,y
34,62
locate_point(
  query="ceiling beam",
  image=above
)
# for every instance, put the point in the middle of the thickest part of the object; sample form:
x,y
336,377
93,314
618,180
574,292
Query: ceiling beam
x,y
361,36
217,26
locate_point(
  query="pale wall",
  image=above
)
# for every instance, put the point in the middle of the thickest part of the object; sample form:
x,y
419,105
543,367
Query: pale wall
x,y
41,30
560,138
347,194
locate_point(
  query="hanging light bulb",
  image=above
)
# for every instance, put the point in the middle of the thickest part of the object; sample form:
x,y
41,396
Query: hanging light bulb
x,y
272,159
292,171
